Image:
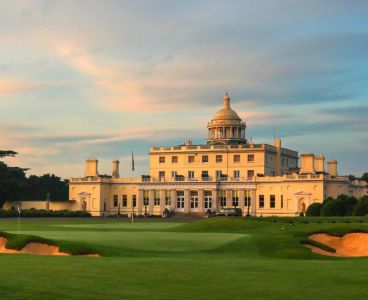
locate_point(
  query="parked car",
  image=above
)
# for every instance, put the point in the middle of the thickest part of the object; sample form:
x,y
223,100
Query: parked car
x,y
234,212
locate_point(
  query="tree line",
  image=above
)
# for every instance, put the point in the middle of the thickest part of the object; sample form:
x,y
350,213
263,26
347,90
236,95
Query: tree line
x,y
342,206
16,186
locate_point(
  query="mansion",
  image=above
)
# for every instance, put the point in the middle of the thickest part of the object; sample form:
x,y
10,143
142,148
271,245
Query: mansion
x,y
226,172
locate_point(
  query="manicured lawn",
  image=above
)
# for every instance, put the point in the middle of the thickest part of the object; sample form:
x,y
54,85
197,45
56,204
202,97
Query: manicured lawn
x,y
219,258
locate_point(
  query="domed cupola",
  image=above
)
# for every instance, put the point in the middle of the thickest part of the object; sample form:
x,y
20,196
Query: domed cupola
x,y
226,127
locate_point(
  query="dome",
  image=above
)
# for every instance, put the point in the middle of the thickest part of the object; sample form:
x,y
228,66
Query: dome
x,y
226,113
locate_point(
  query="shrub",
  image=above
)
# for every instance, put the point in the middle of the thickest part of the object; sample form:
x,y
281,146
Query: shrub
x,y
314,210
361,208
43,213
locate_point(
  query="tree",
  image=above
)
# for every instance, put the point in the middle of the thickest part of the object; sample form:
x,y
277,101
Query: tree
x,y
12,183
364,177
361,207
4,153
314,210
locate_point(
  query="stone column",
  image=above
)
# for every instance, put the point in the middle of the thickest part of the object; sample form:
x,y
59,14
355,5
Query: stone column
x,y
140,202
162,201
201,201
241,196
214,200
253,202
186,201
173,200
151,196
229,198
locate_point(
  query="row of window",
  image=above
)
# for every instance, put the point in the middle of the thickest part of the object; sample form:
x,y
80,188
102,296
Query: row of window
x,y
194,199
205,159
204,173
272,201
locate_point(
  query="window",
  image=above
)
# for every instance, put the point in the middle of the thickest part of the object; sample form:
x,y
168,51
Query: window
x,y
207,199
236,158
247,201
272,201
235,199
222,196
145,198
115,200
218,158
157,198
180,199
250,157
282,201
174,159
236,173
191,174
161,159
167,198
261,201
204,158
193,199
250,173
204,174
218,173
191,159
134,200
161,175
174,174
125,200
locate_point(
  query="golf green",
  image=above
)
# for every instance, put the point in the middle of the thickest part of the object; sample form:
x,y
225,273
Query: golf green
x,y
219,258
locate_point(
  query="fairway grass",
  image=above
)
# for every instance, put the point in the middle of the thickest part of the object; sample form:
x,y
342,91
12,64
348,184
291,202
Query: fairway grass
x,y
219,258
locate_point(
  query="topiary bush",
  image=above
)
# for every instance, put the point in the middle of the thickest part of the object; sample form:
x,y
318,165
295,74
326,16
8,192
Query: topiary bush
x,y
314,210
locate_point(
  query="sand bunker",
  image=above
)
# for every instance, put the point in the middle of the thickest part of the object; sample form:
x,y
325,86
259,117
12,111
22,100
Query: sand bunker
x,y
36,249
349,245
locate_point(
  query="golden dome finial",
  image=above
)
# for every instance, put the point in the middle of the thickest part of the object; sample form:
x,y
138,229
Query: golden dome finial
x,y
226,101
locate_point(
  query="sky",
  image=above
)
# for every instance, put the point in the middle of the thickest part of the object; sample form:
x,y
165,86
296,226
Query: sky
x,y
82,79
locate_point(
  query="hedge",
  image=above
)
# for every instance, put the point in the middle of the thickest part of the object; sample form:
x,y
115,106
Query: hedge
x,y
43,213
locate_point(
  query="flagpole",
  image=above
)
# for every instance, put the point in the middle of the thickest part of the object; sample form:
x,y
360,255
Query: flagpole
x,y
132,212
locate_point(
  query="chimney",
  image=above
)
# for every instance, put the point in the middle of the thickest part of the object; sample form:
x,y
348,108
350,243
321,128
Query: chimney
x,y
115,169
332,167
278,163
319,163
307,163
91,167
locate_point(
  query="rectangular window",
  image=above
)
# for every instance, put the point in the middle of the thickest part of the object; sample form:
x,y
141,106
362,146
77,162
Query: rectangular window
x,y
250,174
250,157
193,199
174,159
222,196
204,158
134,200
161,175
235,199
161,159
218,174
272,201
282,201
247,201
236,173
157,198
125,200
236,158
207,199
190,175
174,174
167,198
191,159
116,200
218,158
261,201
204,175
180,199
145,198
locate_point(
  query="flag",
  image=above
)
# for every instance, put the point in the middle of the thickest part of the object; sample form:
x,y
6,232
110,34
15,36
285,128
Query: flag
x,y
132,161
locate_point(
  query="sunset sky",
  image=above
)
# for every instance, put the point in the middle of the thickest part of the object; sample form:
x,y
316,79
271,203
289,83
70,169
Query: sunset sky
x,y
83,79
